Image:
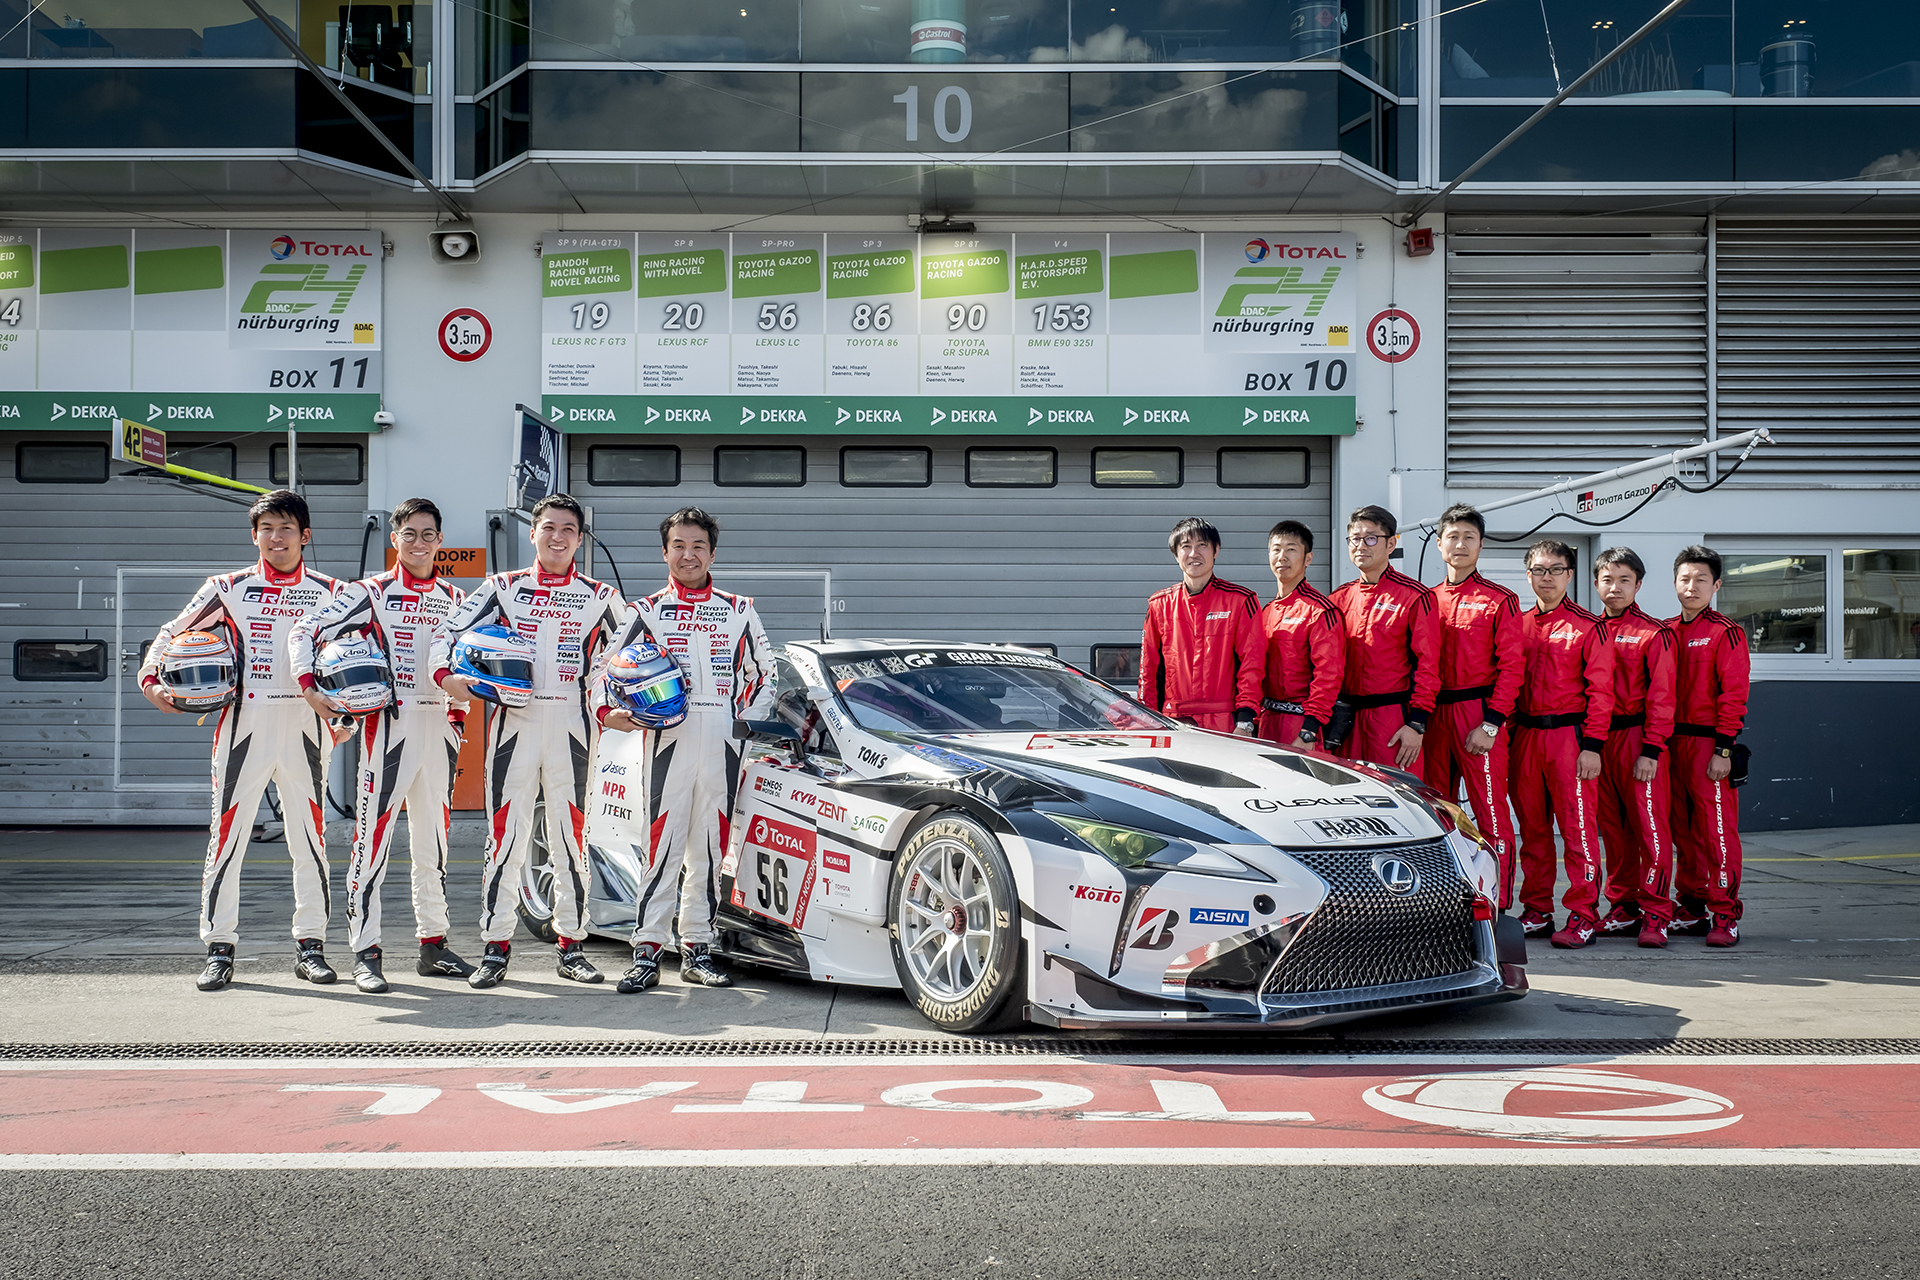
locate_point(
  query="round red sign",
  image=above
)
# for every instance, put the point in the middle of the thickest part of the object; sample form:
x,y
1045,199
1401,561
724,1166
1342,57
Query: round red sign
x,y
1393,335
465,335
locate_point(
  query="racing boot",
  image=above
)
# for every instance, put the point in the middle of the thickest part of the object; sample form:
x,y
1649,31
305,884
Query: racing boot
x,y
366,971
1689,920
493,966
571,963
1579,932
438,961
219,970
698,968
1624,919
1725,931
1653,933
1536,924
311,962
645,972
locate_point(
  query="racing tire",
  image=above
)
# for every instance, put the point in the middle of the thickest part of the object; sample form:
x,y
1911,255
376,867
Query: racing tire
x,y
953,925
534,896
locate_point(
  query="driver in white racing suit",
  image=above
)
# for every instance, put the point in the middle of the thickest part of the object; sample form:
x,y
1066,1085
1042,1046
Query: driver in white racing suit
x,y
545,745
269,735
409,752
691,771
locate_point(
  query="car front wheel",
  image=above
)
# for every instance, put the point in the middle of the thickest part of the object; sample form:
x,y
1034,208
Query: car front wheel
x,y
953,919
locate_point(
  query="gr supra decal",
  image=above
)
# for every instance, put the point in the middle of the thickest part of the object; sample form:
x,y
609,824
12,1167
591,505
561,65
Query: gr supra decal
x,y
975,831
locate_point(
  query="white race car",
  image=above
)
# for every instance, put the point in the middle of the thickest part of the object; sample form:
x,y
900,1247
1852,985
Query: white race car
x,y
1004,838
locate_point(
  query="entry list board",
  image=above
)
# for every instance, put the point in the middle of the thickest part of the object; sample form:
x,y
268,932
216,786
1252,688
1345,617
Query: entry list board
x,y
717,321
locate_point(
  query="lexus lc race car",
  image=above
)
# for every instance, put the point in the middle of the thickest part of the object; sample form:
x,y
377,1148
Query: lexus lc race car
x,y
1004,837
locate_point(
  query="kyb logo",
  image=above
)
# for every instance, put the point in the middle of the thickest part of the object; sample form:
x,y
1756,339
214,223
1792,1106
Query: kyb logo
x,y
1153,931
1554,1104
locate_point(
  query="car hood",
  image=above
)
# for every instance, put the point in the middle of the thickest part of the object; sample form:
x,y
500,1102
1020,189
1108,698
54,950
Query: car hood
x,y
1217,784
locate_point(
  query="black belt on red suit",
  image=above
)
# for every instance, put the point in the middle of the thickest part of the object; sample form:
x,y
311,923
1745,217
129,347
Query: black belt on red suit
x,y
1526,721
1463,695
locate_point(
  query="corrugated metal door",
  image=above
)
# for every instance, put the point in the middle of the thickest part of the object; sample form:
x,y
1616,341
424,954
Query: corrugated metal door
x,y
1819,337
1069,566
62,547
1572,349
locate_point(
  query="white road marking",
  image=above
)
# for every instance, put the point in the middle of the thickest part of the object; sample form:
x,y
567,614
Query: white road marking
x,y
770,1095
852,1157
394,1099
1190,1100
547,1102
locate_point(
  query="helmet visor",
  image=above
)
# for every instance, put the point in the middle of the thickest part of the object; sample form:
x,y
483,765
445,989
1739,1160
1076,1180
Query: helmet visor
x,y
497,667
660,689
351,677
197,677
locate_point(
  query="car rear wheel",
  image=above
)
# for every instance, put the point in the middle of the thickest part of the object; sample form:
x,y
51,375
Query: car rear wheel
x,y
535,902
953,919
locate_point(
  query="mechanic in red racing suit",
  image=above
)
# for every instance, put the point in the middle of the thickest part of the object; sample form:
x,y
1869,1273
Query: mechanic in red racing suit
x,y
692,769
1306,644
407,753
268,735
1393,648
1202,653
545,745
1566,711
1481,665
1633,768
1712,677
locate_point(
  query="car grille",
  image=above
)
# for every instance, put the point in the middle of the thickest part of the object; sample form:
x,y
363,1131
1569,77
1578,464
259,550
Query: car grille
x,y
1364,936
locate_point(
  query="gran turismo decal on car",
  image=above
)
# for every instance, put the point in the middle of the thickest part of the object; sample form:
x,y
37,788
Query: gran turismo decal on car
x,y
1121,741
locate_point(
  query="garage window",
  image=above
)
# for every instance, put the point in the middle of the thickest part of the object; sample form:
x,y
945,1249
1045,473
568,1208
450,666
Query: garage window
x,y
321,464
1137,468
60,660
634,466
760,465
1263,469
1117,664
60,463
1012,468
213,459
898,467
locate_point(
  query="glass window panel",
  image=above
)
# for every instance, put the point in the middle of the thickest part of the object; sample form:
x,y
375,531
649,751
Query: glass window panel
x,y
60,463
666,31
319,464
1881,603
496,130
1533,51
1822,142
638,465
760,465
1137,468
214,459
119,106
1590,143
1202,110
857,111
494,38
654,111
60,660
1263,468
143,29
902,31
1117,664
327,127
1200,30
878,467
1798,49
1017,468
1780,599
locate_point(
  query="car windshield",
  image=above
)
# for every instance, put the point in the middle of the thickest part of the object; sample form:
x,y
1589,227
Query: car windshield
x,y
978,690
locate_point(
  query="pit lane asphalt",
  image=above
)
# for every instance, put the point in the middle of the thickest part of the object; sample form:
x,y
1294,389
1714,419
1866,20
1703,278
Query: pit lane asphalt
x,y
97,947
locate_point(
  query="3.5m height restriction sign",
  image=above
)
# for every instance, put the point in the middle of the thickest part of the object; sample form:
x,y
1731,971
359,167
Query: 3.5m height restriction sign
x,y
465,335
1393,335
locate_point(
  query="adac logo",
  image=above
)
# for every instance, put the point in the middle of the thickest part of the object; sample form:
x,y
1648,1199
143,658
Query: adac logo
x,y
1554,1104
281,248
279,279
1250,282
1257,250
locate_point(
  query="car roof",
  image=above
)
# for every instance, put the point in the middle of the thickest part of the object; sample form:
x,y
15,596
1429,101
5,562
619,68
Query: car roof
x,y
874,644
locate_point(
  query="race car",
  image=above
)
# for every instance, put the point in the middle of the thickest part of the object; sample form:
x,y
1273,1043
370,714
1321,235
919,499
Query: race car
x,y
1006,838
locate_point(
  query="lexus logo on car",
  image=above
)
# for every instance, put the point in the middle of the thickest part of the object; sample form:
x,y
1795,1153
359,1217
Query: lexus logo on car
x,y
1263,806
1397,875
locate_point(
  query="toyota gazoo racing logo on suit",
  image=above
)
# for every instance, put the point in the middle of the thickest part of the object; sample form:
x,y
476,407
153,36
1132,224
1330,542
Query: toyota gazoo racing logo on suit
x,y
1555,1104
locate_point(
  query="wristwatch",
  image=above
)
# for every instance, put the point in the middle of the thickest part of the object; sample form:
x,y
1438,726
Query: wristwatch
x,y
1725,753
1309,735
1491,730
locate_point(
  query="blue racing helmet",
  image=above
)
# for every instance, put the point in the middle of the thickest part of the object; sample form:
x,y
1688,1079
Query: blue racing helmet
x,y
499,661
647,684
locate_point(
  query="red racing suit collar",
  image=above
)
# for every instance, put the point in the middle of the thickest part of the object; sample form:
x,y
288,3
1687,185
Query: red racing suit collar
x,y
410,583
553,579
275,578
692,595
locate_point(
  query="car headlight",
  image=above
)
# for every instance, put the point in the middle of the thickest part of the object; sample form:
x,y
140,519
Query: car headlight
x,y
1119,845
1462,821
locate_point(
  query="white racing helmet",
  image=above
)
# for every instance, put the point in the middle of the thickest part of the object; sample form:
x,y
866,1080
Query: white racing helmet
x,y
352,673
200,671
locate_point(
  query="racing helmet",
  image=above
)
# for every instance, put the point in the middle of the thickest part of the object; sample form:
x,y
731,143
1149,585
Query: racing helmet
x,y
647,684
499,661
353,674
200,671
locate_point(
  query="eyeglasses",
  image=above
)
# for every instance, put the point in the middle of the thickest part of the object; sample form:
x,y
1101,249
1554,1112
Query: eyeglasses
x,y
410,536
1367,539
1557,571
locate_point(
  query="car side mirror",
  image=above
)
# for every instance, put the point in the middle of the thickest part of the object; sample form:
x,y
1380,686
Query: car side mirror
x,y
772,731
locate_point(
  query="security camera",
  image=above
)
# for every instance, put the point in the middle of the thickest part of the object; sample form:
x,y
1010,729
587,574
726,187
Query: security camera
x,y
383,419
455,244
